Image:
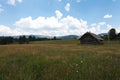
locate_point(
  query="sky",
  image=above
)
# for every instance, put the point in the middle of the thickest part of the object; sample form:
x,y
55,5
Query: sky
x,y
58,17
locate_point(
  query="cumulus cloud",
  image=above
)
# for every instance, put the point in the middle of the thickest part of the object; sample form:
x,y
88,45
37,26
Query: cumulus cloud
x,y
51,25
1,8
54,26
67,7
118,29
64,26
6,31
13,2
101,27
107,16
58,14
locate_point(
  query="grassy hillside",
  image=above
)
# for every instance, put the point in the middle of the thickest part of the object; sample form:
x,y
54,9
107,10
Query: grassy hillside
x,y
60,60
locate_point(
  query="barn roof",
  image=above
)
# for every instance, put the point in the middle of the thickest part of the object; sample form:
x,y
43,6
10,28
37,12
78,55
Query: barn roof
x,y
92,34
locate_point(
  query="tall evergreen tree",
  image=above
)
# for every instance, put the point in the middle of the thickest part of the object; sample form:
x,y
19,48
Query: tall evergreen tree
x,y
22,40
118,36
112,34
6,40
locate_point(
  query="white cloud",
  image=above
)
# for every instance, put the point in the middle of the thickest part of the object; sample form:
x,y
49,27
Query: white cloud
x,y
54,26
118,29
58,14
6,31
107,16
13,2
1,8
51,25
67,7
101,27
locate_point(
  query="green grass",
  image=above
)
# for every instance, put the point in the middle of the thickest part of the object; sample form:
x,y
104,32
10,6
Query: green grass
x,y
60,60
56,42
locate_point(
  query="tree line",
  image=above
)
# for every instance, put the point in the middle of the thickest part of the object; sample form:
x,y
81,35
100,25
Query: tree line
x,y
22,39
112,35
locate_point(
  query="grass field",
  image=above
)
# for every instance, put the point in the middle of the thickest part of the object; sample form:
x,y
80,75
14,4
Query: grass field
x,y
60,60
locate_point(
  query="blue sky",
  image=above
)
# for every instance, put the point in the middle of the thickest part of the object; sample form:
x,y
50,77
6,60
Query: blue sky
x,y
58,17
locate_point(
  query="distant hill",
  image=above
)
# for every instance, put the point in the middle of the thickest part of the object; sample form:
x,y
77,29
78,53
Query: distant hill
x,y
68,37
103,34
50,37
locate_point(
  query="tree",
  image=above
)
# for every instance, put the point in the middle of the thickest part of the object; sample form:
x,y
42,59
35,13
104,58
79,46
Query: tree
x,y
118,36
112,34
32,38
6,40
2,40
54,38
23,40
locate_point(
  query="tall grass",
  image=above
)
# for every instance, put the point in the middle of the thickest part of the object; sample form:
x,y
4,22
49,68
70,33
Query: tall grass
x,y
60,61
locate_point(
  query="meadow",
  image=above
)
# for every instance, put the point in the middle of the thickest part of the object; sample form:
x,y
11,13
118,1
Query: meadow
x,y
60,60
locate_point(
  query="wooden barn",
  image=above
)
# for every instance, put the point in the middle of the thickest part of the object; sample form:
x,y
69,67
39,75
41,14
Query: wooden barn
x,y
90,38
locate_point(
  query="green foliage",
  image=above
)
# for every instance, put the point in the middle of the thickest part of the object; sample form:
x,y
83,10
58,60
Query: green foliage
x,y
105,37
118,36
6,40
23,40
31,38
112,34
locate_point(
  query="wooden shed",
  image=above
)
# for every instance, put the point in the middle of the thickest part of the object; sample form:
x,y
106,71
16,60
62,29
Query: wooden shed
x,y
90,38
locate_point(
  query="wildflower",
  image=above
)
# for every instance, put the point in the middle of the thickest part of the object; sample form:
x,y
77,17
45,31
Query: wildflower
x,y
77,71
76,64
81,61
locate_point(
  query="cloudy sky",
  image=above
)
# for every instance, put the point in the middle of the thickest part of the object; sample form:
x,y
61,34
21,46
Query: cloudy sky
x,y
58,17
